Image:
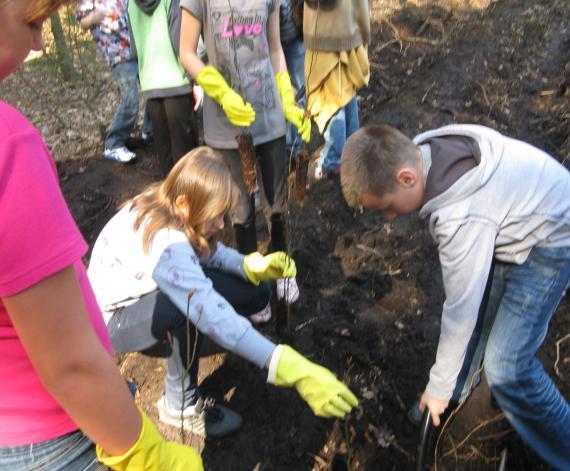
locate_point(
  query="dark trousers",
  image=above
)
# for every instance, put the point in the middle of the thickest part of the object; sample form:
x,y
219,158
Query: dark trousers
x,y
147,325
272,180
174,128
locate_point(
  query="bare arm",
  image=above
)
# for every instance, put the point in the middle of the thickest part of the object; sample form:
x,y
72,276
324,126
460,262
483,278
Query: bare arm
x,y
190,30
274,39
92,19
53,325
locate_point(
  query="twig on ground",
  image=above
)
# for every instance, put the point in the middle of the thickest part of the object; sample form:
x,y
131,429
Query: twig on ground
x,y
410,39
558,342
482,87
483,456
494,436
475,430
302,325
454,449
427,91
453,414
387,44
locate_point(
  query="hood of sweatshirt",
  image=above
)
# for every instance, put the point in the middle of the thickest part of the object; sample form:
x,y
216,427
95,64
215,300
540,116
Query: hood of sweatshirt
x,y
491,145
148,6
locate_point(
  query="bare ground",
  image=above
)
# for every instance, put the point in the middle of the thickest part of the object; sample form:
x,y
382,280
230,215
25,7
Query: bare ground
x,y
371,290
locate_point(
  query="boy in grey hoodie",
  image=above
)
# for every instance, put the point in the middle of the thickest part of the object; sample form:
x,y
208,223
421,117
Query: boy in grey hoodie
x,y
499,211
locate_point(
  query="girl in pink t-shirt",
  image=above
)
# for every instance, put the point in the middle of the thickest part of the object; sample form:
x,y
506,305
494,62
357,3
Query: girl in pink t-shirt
x,y
60,391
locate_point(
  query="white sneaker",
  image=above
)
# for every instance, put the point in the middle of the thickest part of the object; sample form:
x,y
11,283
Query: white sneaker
x,y
262,316
119,154
287,289
204,418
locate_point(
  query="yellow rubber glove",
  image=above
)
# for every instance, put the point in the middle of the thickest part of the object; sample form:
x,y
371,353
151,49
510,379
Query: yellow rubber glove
x,y
269,267
292,112
238,111
152,453
326,395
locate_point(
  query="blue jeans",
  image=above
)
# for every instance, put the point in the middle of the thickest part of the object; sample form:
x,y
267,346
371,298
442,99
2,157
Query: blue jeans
x,y
71,452
295,57
341,126
521,302
126,76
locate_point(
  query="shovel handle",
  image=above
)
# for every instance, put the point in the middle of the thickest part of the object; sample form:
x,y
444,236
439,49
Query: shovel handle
x,y
423,440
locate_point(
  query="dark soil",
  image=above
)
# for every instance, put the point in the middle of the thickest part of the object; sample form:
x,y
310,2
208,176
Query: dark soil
x,y
371,291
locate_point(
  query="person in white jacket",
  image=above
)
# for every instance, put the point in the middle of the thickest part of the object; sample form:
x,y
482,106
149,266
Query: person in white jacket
x,y
499,211
160,278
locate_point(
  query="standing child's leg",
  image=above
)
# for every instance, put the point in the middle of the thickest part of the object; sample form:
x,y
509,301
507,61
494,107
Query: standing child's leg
x,y
273,163
272,157
125,74
243,215
527,395
161,133
181,124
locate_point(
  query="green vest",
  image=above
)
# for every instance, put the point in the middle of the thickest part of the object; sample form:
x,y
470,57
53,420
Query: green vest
x,y
160,72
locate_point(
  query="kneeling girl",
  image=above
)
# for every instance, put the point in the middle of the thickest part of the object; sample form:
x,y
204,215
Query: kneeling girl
x,y
156,265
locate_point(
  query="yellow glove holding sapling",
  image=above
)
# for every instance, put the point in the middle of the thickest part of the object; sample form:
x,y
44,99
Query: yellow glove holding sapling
x,y
292,112
326,395
238,111
269,267
152,453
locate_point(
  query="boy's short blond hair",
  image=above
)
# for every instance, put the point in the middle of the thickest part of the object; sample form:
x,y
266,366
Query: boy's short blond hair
x,y
370,160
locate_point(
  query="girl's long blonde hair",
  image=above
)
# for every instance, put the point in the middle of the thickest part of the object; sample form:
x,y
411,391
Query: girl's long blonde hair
x,y
205,183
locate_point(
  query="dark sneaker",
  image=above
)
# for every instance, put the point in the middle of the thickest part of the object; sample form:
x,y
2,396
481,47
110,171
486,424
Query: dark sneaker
x,y
203,418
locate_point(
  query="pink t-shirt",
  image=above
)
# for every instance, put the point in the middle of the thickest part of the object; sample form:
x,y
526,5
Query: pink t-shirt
x,y
38,238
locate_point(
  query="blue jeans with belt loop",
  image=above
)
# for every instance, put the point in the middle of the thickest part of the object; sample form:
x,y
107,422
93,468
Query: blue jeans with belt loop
x,y
70,452
521,301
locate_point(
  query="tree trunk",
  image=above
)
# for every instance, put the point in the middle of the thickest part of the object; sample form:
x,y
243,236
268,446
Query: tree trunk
x,y
64,58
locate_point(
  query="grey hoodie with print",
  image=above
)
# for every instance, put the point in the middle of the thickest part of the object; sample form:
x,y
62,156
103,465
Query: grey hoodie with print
x,y
518,197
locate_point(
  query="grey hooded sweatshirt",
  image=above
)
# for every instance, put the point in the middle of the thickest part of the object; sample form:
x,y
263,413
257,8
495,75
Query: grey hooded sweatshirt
x,y
516,198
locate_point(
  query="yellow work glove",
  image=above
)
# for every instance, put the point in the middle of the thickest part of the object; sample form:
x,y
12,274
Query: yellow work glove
x,y
238,111
292,112
269,267
326,395
152,453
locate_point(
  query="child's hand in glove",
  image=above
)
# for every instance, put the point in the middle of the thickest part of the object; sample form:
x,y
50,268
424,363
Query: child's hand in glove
x,y
269,267
238,111
151,451
292,112
325,394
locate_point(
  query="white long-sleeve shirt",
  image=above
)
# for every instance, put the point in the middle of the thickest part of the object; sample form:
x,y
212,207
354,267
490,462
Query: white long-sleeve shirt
x,y
121,273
